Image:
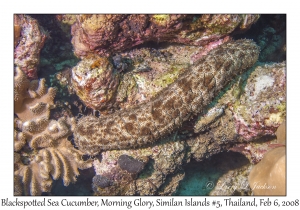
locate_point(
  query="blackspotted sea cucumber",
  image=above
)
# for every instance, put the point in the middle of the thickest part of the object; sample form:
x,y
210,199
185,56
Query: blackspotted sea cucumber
x,y
186,97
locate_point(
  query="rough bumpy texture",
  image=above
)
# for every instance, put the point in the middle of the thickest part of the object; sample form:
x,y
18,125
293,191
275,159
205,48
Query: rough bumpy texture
x,y
29,39
161,173
101,181
168,110
262,108
106,34
130,164
164,160
233,182
95,82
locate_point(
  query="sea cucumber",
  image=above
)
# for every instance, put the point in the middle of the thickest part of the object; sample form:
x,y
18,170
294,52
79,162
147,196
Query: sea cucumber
x,y
185,98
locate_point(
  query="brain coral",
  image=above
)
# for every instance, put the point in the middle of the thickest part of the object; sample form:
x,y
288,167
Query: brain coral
x,y
175,104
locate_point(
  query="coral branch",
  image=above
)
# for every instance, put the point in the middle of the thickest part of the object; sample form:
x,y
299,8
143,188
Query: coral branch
x,y
41,143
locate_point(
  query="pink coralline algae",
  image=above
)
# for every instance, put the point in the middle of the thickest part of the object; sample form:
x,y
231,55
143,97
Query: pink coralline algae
x,y
105,34
134,76
114,36
95,82
262,108
255,151
29,39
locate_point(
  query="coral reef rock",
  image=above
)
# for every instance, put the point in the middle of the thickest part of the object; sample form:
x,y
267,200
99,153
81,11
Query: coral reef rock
x,y
29,39
95,82
262,108
130,164
234,182
101,181
248,116
156,170
105,34
143,73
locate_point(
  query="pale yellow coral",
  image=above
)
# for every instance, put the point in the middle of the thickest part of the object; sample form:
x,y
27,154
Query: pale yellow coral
x,y
33,100
60,161
29,179
161,19
20,140
52,155
281,133
268,177
52,132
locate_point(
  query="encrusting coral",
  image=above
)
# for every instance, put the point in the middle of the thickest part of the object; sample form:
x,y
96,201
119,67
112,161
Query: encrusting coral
x,y
106,34
29,39
260,111
95,82
41,146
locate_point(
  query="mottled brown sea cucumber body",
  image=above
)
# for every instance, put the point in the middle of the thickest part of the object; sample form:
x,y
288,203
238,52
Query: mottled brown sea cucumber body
x,y
175,104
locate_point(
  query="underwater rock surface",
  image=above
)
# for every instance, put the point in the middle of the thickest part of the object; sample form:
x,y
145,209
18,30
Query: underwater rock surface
x,y
95,82
105,34
131,82
29,39
130,164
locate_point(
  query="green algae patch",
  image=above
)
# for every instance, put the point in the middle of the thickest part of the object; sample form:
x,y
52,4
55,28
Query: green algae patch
x,y
167,78
161,19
